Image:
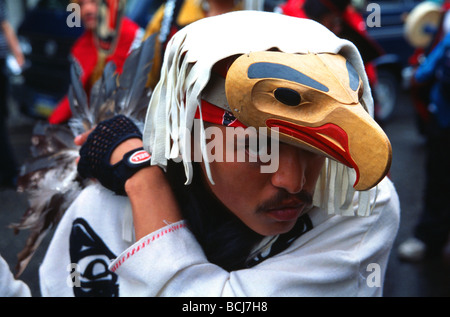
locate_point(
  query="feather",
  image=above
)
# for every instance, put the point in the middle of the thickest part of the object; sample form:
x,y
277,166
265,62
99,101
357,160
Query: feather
x,y
49,176
131,96
50,179
78,99
102,91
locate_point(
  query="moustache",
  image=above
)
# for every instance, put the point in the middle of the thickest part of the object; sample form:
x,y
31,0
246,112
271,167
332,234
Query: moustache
x,y
284,199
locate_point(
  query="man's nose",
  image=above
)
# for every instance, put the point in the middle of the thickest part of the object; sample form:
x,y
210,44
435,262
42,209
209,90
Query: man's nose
x,y
291,173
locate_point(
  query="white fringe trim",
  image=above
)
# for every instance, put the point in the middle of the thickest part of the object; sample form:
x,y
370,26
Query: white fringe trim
x,y
335,193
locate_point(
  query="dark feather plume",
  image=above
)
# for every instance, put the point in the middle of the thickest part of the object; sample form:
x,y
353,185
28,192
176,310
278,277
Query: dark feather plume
x,y
101,104
78,99
49,177
131,95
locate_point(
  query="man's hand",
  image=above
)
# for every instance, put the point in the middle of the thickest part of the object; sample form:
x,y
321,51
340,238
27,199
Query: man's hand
x,y
102,151
120,150
81,139
150,194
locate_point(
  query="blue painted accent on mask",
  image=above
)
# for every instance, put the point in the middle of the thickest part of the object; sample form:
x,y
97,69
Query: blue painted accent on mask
x,y
278,71
352,76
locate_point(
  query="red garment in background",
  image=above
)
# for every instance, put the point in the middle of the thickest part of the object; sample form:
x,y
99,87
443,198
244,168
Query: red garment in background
x,y
350,15
354,30
84,52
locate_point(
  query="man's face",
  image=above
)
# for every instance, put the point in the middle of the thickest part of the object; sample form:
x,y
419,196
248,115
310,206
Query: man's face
x,y
268,203
89,13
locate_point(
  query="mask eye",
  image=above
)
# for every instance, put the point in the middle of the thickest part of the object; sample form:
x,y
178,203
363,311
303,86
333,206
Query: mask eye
x,y
288,96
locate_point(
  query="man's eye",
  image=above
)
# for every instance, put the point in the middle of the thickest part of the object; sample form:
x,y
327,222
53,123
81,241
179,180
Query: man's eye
x,y
258,146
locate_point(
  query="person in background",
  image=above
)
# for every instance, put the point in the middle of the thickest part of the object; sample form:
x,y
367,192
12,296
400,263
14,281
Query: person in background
x,y
341,18
8,44
420,91
181,13
86,53
141,11
345,21
432,230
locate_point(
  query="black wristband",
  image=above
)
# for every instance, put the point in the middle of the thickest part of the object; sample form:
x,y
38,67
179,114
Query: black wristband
x,y
131,163
95,154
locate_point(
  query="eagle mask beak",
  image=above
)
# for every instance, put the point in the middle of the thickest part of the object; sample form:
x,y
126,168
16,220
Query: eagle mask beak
x,y
314,101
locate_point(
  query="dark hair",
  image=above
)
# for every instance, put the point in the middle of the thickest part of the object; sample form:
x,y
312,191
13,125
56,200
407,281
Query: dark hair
x,y
225,239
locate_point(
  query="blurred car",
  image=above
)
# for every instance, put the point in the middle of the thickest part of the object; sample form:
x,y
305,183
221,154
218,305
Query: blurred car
x,y
46,41
391,66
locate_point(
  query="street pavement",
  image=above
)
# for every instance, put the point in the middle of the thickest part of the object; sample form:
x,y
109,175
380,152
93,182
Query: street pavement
x,y
425,279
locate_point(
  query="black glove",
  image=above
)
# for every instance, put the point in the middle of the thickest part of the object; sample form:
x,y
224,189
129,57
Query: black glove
x,y
95,154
